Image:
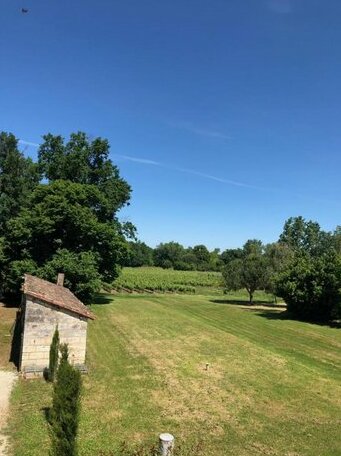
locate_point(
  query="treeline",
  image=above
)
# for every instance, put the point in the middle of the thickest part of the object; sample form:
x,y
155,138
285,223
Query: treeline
x,y
303,267
172,255
59,214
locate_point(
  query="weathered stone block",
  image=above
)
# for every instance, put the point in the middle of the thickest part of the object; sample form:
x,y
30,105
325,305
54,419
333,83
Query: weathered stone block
x,y
41,320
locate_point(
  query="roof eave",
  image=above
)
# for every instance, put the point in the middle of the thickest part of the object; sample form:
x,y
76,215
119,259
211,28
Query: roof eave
x,y
60,305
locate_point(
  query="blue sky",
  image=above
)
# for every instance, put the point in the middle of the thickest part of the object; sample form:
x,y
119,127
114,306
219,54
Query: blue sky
x,y
224,116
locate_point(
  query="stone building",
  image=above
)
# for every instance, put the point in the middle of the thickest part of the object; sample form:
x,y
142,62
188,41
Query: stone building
x,y
44,307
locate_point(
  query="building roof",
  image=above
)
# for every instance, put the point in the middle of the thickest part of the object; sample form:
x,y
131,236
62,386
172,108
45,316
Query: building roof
x,y
55,294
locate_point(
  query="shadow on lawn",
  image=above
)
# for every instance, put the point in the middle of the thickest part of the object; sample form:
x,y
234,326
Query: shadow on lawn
x,y
103,299
277,314
11,302
256,302
276,311
16,331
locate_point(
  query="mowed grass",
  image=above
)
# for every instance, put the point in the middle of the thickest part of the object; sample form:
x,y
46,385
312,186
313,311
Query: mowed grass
x,y
273,386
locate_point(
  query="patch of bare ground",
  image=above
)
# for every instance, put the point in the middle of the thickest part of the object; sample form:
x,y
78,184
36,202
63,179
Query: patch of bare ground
x,y
259,448
7,380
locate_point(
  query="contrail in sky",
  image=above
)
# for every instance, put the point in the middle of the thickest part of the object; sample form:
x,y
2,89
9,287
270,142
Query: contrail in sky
x,y
234,183
145,161
28,143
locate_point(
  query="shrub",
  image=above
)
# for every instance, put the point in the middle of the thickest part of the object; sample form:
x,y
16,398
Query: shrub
x,y
53,360
311,287
64,416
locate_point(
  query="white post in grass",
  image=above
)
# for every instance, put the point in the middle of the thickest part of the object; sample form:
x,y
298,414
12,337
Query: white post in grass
x,y
166,444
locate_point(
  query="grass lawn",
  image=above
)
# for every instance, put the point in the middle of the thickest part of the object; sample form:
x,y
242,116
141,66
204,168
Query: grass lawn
x,y
273,386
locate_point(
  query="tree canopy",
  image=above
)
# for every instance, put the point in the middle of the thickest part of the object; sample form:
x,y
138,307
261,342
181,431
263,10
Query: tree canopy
x,y
249,271
68,221
311,287
310,283
305,236
84,161
18,177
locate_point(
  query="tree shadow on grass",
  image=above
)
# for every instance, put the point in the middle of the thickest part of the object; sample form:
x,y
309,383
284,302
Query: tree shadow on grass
x,y
103,299
277,314
256,302
11,302
16,341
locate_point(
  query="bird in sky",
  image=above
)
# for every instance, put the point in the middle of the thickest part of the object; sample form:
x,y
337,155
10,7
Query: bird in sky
x,y
24,10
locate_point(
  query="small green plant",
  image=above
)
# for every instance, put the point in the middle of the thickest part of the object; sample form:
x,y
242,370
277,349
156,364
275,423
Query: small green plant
x,y
65,409
53,360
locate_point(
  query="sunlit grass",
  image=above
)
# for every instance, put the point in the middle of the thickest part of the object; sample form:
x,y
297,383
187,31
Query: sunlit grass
x,y
273,386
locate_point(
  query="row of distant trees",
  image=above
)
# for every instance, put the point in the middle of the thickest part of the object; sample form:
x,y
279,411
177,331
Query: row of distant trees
x,y
303,266
174,255
59,214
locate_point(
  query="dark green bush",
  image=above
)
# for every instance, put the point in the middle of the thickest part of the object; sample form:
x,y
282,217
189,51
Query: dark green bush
x,y
53,359
65,410
311,287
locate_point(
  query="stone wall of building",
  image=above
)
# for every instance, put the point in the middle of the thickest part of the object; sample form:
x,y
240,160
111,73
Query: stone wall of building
x,y
40,321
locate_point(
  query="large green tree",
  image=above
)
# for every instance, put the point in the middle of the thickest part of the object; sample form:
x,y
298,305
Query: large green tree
x,y
62,228
68,223
202,256
18,177
310,283
84,161
139,254
311,287
337,239
249,272
231,254
305,236
279,257
167,255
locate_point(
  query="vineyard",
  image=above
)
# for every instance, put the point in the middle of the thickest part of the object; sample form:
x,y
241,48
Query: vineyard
x,y
152,279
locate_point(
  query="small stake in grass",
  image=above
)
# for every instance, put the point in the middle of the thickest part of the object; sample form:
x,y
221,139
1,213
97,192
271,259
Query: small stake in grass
x,y
166,444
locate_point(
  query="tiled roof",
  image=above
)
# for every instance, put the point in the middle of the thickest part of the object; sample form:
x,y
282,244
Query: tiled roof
x,y
55,294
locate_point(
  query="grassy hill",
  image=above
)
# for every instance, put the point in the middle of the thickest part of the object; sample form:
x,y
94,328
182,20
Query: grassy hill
x,y
273,386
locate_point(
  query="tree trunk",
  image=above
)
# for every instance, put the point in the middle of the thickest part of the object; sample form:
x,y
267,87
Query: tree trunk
x,y
250,298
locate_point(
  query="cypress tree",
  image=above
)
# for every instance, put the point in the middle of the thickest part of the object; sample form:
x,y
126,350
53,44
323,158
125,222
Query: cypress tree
x,y
53,360
65,407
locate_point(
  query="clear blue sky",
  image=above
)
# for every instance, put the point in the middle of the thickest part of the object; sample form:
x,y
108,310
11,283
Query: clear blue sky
x,y
223,115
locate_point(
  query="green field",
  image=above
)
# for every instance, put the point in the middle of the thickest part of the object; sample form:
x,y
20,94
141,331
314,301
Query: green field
x,y
273,387
166,280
